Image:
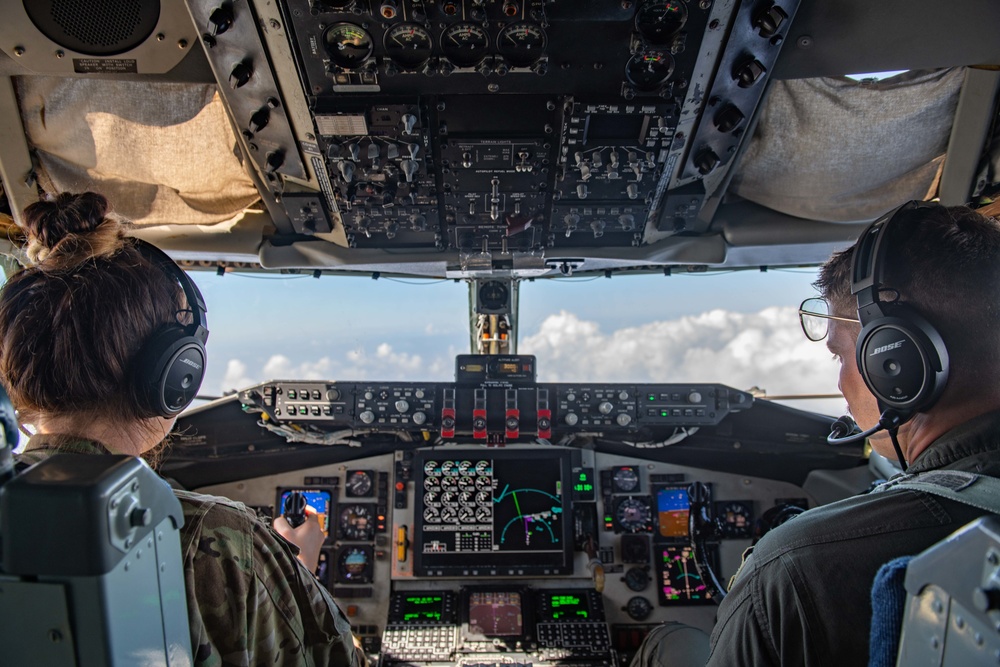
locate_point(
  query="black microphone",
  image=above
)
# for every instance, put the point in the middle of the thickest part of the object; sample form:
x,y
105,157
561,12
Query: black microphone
x,y
844,426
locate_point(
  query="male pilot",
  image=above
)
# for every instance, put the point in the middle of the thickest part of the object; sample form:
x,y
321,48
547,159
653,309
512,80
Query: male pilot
x,y
803,596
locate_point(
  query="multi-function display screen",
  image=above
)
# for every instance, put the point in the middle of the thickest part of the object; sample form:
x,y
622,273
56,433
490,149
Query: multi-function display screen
x,y
486,513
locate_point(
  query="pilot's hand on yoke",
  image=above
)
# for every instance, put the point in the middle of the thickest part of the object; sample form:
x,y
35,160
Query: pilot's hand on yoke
x,y
308,537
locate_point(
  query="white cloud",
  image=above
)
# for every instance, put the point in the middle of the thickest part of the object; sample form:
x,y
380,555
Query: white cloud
x,y
764,349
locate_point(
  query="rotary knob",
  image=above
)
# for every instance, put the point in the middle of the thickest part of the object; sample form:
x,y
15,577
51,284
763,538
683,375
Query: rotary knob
x,y
419,418
623,419
241,74
402,406
571,419
623,395
367,416
605,407
694,397
332,395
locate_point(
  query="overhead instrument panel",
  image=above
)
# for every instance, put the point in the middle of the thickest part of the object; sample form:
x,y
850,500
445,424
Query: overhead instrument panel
x,y
499,129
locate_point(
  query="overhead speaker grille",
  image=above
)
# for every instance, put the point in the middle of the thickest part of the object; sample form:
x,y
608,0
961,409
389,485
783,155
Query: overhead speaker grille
x,y
103,28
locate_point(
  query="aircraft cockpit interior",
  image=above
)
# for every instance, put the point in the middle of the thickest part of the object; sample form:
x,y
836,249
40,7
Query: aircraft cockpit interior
x,y
492,516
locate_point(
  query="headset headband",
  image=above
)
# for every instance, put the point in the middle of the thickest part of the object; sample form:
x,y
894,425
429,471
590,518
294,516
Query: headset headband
x,y
196,302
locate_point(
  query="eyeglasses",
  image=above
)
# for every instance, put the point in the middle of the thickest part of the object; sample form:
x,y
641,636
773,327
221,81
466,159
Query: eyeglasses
x,y
814,316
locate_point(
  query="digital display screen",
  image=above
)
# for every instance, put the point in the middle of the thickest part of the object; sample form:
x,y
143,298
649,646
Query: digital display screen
x,y
565,607
487,513
320,500
680,582
428,608
673,509
614,129
495,614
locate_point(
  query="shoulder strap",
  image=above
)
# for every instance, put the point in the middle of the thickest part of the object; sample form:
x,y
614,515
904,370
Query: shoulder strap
x,y
968,488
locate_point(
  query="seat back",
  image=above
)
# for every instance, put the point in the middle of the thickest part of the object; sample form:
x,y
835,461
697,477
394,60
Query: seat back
x,y
952,616
90,565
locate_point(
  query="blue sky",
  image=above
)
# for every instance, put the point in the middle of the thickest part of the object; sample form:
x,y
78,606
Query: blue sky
x,y
739,328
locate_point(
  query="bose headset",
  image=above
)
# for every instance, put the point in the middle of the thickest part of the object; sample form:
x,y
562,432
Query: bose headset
x,y
169,367
900,355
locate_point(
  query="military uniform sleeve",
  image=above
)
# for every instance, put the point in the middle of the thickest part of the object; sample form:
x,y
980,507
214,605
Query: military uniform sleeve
x,y
253,601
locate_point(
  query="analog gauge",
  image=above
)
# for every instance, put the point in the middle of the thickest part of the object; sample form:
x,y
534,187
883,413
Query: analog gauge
x,y
521,43
347,44
466,514
354,565
430,468
432,483
466,498
484,499
639,608
449,498
465,44
449,515
359,484
484,514
408,45
431,498
484,483
637,578
649,70
356,523
625,479
660,20
464,467
448,468
482,467
466,482
735,517
449,482
493,295
634,515
432,515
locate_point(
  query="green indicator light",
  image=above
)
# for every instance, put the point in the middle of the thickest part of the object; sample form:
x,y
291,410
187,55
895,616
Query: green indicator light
x,y
652,397
559,488
664,413
583,477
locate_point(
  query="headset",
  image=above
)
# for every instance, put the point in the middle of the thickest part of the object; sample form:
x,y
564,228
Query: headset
x,y
900,355
169,367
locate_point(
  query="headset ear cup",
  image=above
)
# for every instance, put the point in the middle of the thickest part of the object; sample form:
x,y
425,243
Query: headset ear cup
x,y
169,371
903,361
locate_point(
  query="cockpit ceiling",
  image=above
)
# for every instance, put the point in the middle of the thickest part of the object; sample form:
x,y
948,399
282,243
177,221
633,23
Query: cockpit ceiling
x,y
692,157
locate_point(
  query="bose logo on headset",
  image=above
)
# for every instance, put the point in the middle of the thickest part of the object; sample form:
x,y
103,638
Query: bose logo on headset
x,y
886,348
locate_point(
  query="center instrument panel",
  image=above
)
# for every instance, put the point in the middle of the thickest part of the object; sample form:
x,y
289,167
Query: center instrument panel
x,y
501,541
491,125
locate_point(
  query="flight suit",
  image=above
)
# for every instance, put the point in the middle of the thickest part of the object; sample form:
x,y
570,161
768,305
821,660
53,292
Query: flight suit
x,y
250,600
802,597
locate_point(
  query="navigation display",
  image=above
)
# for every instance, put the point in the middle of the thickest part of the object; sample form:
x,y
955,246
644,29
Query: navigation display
x,y
680,580
495,614
488,513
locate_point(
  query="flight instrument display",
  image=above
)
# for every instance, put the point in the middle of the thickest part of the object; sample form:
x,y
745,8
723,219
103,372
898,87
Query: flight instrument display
x,y
484,513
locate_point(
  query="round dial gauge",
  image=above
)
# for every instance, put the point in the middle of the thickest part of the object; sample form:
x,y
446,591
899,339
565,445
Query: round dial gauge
x,y
634,516
466,482
625,479
736,518
484,483
449,482
493,296
356,523
359,483
659,20
432,483
347,44
649,70
464,467
639,608
521,43
484,498
449,498
448,468
484,514
430,468
449,514
482,467
408,45
465,44
466,498
354,565
432,515
637,578
431,498
466,514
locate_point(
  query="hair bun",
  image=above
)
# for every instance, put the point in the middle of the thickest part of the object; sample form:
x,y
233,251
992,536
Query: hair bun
x,y
69,229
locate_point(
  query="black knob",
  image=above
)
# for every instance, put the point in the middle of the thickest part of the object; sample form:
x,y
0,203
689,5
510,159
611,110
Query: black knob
x,y
748,73
448,423
512,423
259,119
241,74
274,160
221,18
478,424
768,21
705,161
728,118
140,516
544,424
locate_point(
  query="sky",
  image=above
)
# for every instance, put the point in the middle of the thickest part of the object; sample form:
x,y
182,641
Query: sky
x,y
736,328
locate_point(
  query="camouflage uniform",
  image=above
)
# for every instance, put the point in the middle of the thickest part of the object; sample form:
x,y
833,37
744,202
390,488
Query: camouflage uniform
x,y
250,600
